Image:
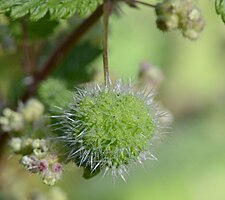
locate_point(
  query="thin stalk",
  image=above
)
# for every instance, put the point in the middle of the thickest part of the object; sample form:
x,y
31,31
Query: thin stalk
x,y
107,7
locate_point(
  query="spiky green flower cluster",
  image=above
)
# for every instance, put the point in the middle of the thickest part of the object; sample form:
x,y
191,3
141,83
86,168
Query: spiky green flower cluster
x,y
182,15
57,9
109,128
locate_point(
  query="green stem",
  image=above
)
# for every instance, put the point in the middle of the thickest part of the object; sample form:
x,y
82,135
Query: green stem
x,y
107,7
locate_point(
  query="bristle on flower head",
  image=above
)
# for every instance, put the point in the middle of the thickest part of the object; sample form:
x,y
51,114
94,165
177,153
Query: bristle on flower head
x,y
109,127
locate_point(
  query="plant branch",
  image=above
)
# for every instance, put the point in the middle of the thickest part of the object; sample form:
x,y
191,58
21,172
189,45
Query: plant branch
x,y
27,60
61,51
3,139
107,7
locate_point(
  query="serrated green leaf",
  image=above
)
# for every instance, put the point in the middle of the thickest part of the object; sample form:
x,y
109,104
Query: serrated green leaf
x,y
37,9
38,12
220,8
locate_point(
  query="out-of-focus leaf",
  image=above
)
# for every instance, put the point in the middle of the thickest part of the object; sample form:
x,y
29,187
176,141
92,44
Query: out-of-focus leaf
x,y
42,28
35,30
220,8
75,68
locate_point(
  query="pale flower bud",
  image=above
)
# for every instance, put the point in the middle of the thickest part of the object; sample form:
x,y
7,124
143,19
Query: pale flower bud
x,y
15,144
11,120
32,110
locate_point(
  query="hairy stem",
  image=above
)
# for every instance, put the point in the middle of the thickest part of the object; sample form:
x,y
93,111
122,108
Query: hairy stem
x,y
107,7
61,51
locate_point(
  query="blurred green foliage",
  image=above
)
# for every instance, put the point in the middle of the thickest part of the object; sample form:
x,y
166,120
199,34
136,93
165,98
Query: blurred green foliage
x,y
75,69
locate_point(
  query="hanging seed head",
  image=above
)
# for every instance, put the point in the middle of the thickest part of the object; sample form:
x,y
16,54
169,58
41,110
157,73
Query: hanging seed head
x,y
109,128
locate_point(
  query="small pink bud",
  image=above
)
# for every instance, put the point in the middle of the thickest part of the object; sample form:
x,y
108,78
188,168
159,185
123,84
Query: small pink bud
x,y
57,167
42,165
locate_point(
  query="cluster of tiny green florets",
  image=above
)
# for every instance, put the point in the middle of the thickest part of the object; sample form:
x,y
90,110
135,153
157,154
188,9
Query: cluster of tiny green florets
x,y
182,15
109,127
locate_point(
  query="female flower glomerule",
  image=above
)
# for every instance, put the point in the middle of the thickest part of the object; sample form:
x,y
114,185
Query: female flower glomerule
x,y
109,127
